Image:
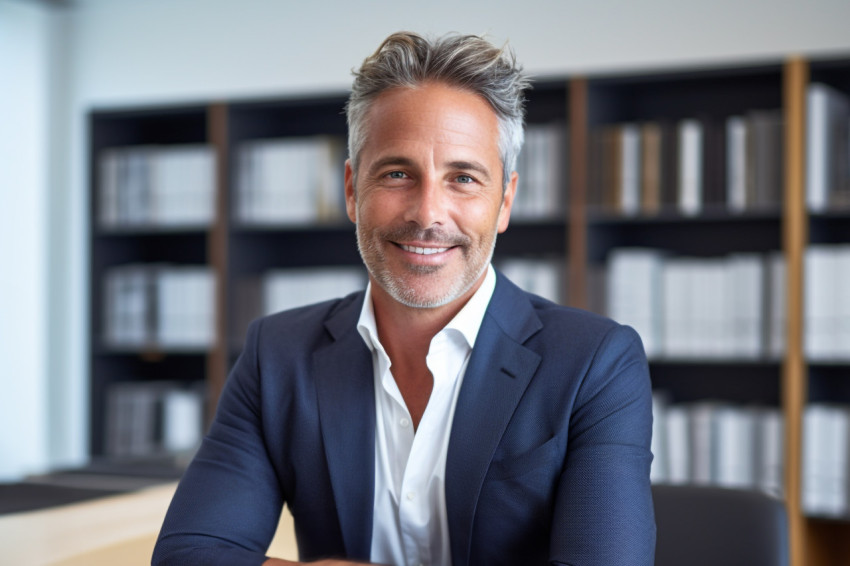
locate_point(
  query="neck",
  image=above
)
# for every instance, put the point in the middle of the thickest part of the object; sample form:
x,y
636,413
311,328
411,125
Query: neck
x,y
409,330
406,333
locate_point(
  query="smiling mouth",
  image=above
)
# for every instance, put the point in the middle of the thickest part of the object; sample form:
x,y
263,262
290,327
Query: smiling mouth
x,y
422,251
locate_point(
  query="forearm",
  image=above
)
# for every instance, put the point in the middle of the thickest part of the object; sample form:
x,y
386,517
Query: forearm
x,y
281,562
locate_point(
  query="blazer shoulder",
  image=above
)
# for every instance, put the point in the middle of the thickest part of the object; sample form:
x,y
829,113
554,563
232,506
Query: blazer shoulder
x,y
578,327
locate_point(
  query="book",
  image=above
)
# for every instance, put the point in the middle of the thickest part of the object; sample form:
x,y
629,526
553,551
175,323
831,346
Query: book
x,y
714,164
690,193
651,167
182,419
827,159
735,445
765,159
678,442
630,177
769,451
736,160
842,301
774,325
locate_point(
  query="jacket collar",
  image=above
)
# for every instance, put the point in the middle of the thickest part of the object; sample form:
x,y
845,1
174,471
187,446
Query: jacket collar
x,y
497,376
346,402
498,373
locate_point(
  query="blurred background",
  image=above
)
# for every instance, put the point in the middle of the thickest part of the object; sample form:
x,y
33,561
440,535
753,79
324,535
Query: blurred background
x,y
62,60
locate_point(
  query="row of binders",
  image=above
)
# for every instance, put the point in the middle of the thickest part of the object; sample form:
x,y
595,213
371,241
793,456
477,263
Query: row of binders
x,y
826,460
542,170
735,163
159,306
717,443
729,307
688,166
827,302
282,289
739,446
542,276
153,418
157,186
290,181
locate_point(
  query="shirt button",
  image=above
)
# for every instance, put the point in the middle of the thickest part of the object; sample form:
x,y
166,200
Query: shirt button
x,y
411,495
404,423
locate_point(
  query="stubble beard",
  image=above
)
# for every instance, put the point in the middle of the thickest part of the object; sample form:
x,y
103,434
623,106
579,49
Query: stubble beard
x,y
476,260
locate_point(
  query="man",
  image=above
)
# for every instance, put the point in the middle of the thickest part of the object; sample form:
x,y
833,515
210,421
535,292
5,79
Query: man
x,y
444,416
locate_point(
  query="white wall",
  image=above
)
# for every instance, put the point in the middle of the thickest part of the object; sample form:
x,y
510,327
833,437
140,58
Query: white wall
x,y
123,52
24,152
164,49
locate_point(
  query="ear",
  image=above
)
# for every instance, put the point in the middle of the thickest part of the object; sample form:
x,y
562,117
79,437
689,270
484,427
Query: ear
x,y
350,200
507,202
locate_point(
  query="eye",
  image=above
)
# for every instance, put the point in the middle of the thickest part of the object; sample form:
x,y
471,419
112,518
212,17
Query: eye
x,y
464,179
396,175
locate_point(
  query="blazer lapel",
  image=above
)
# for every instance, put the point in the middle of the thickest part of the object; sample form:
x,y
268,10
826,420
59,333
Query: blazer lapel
x,y
498,373
346,400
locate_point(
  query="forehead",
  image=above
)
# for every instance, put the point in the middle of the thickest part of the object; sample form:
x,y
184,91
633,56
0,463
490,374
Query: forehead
x,y
433,113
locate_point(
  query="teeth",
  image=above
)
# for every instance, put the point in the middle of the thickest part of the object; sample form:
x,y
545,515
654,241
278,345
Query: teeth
x,y
423,251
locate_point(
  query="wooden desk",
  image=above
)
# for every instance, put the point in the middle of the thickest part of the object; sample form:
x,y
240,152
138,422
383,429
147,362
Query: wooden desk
x,y
105,532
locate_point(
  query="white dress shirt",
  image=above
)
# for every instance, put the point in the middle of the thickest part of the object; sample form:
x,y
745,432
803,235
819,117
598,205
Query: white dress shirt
x,y
410,525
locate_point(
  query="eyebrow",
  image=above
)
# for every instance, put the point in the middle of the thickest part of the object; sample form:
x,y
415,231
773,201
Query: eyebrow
x,y
398,160
390,160
471,166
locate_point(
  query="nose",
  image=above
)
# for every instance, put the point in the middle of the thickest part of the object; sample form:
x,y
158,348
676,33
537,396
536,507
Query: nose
x,y
428,204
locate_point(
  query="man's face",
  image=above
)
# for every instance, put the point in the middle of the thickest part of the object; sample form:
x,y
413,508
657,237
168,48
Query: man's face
x,y
428,202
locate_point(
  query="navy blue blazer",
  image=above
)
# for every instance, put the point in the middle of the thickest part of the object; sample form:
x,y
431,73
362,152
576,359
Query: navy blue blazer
x,y
548,459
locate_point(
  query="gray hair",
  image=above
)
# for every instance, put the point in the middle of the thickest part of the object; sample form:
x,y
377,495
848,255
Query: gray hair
x,y
469,62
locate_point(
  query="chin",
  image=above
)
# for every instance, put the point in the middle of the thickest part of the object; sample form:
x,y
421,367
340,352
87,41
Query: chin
x,y
428,297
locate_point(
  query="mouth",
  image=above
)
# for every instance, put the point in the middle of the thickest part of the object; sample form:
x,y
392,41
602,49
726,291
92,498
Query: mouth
x,y
422,250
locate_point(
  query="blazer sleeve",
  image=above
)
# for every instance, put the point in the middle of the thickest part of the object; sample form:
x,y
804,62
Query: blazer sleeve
x,y
228,503
604,513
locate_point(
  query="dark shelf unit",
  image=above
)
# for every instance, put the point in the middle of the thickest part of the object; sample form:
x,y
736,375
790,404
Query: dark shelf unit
x,y
580,236
112,246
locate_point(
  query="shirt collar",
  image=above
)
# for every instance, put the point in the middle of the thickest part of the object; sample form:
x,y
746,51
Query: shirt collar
x,y
467,322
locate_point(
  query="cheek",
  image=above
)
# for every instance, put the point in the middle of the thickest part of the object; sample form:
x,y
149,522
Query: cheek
x,y
380,207
484,218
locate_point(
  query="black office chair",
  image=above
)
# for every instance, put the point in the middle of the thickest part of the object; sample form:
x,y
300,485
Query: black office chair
x,y
711,526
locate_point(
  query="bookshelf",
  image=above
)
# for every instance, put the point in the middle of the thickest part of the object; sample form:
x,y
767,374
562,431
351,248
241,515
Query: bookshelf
x,y
592,123
671,249
134,252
